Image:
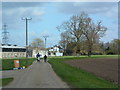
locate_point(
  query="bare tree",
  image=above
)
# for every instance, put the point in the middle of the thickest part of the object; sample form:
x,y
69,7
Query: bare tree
x,y
37,44
93,32
72,27
65,39
82,28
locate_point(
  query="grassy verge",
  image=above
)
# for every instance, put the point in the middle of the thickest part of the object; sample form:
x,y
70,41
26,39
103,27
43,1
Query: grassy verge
x,y
78,78
5,81
8,64
85,56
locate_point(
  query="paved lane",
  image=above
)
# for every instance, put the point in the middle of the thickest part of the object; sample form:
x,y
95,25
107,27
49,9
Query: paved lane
x,y
38,75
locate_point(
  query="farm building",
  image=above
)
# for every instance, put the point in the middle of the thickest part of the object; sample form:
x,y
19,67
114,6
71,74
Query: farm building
x,y
9,51
52,51
42,52
55,51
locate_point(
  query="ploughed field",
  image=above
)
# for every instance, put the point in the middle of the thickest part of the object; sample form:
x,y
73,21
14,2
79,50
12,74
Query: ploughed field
x,y
106,68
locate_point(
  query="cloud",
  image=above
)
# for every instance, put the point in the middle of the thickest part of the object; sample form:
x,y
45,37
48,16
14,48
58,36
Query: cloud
x,y
24,12
13,12
104,8
10,5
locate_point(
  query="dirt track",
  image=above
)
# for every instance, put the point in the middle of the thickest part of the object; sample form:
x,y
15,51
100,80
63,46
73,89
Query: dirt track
x,y
105,68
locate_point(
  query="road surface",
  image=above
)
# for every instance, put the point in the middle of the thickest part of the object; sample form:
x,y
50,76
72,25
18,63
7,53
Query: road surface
x,y
38,75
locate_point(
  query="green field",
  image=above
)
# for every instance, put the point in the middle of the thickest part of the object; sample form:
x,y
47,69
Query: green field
x,y
5,81
78,78
8,64
75,77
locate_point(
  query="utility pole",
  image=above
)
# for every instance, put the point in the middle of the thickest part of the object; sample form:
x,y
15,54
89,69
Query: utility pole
x,y
5,35
46,36
26,19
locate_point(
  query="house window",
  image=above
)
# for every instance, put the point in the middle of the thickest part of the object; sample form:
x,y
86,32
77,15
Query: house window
x,y
49,53
54,53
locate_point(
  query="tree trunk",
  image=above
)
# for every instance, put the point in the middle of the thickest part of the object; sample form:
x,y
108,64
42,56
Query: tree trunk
x,y
90,50
89,53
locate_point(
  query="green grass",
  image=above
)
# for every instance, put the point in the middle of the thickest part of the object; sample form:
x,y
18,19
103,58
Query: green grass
x,y
5,81
85,56
105,56
78,78
8,64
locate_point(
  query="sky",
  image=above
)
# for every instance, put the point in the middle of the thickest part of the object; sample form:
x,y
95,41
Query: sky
x,y
46,16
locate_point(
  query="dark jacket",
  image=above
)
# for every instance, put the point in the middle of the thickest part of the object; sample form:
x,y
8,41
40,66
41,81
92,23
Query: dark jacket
x,y
38,55
45,57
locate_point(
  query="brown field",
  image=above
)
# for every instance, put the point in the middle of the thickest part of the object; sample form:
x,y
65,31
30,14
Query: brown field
x,y
105,68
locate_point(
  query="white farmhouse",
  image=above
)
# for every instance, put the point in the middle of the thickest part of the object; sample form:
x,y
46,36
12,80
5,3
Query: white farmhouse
x,y
42,52
55,51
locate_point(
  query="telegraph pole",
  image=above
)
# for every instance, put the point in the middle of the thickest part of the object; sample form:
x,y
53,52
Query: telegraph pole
x,y
26,19
46,36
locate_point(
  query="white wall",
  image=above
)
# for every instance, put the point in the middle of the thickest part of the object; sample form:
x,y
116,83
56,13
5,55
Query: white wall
x,y
41,52
13,54
59,54
55,49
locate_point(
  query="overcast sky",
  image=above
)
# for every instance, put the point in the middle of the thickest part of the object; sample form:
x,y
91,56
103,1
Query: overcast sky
x,y
46,16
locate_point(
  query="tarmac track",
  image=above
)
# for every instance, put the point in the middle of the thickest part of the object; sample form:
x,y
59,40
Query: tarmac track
x,y
38,75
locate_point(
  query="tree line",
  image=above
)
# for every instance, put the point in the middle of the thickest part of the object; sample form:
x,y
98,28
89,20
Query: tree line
x,y
81,36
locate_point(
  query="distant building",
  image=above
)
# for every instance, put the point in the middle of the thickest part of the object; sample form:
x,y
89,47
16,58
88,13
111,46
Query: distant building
x,y
42,52
9,51
52,51
55,51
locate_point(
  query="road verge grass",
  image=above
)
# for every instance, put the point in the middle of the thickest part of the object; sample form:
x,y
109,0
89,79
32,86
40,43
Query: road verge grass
x,y
5,81
78,78
8,64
